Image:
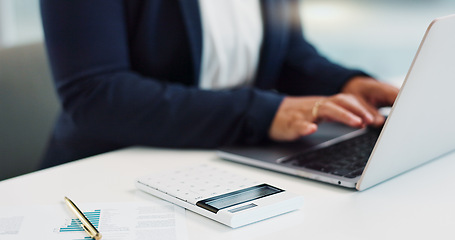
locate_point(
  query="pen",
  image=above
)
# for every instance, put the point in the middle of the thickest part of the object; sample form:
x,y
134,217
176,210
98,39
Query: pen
x,y
86,224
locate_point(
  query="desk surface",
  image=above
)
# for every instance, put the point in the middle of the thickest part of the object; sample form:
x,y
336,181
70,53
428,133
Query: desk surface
x,y
415,205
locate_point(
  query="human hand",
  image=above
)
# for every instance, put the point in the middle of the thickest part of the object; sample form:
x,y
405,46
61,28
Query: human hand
x,y
372,94
297,116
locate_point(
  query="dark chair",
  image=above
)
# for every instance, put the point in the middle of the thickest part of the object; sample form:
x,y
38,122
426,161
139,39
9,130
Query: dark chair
x,y
28,108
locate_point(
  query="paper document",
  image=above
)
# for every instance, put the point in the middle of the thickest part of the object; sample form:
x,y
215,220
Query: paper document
x,y
115,221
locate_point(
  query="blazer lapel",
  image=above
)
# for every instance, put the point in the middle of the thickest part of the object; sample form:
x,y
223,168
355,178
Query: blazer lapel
x,y
274,15
192,18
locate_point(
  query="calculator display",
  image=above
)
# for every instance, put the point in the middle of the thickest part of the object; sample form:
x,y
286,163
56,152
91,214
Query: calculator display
x,y
214,204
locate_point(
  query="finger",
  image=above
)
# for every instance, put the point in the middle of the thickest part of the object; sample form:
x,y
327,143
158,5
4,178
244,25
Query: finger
x,y
334,112
378,119
356,106
299,129
295,131
303,128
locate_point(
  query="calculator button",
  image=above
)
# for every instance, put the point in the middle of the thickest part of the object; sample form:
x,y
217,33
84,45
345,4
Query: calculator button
x,y
198,183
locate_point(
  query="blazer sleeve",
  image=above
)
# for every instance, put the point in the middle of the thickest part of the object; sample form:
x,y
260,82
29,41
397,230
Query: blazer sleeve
x,y
88,50
304,70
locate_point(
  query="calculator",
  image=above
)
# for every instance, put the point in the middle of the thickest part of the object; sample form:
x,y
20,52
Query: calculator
x,y
225,197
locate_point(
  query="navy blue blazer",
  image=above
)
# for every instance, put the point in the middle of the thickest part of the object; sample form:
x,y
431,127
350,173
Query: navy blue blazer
x,y
127,72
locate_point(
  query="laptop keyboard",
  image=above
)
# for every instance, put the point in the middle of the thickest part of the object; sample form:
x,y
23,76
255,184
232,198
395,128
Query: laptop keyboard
x,y
347,158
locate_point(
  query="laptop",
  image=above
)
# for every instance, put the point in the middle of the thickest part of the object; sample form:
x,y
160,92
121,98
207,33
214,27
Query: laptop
x,y
419,128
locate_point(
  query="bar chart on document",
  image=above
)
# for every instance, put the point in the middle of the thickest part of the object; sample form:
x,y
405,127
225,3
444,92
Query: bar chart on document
x,y
122,222
115,221
75,225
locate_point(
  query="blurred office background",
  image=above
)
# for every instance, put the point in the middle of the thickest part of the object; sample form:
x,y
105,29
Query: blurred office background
x,y
379,36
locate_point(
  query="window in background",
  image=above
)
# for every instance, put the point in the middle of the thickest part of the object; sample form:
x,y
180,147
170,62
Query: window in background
x,y
380,37
20,22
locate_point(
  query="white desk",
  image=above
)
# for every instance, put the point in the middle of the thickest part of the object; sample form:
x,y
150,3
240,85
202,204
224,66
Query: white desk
x,y
417,205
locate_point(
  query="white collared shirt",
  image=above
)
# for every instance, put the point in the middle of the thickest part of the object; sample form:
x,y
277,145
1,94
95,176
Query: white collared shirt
x,y
232,37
